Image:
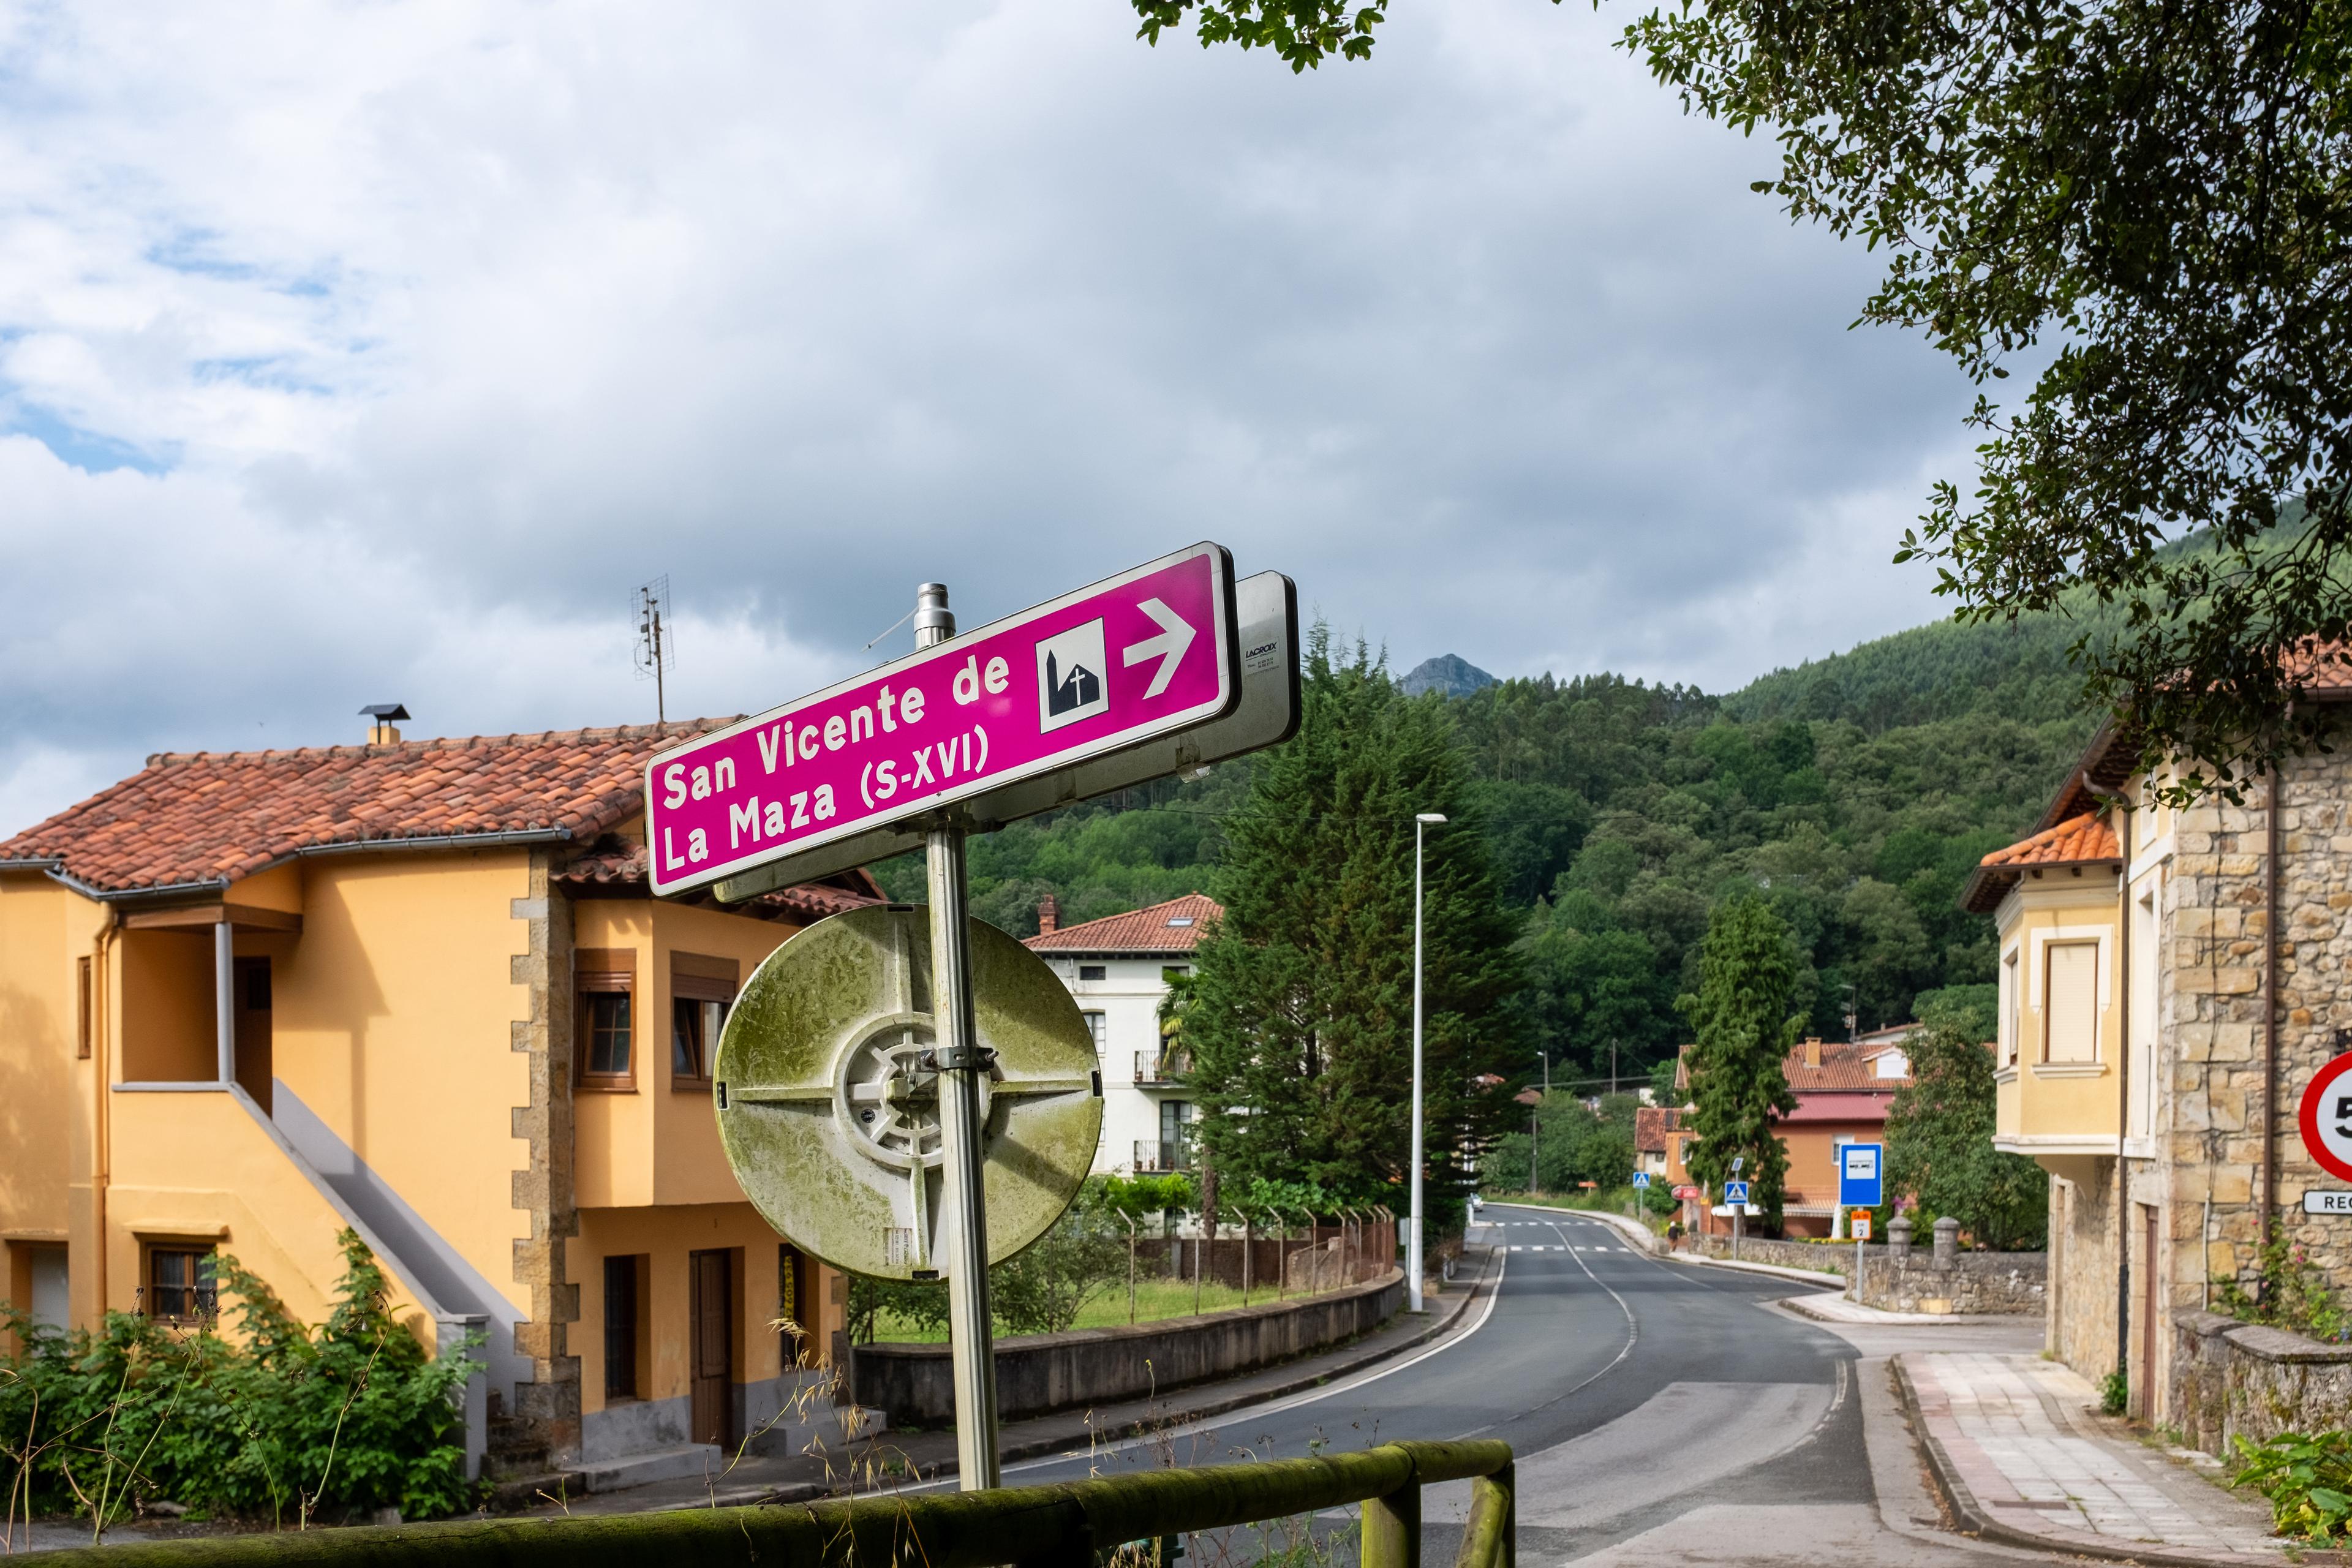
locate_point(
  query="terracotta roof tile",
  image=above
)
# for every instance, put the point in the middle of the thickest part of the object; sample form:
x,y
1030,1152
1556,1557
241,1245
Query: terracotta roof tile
x,y
208,818
2084,839
1173,927
1651,1125
1846,1067
616,868
2078,840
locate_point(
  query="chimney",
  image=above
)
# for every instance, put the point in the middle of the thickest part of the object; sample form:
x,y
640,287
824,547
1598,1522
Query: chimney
x,y
379,716
1049,915
1813,1052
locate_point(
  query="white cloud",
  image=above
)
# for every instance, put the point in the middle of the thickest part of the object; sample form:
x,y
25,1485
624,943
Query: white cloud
x,y
436,326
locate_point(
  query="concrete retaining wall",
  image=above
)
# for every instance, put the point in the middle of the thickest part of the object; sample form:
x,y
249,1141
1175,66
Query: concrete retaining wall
x,y
1039,1372
2240,1380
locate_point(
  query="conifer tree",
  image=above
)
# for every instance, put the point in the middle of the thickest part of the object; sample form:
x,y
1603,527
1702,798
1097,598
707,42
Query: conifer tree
x,y
1300,1020
1745,1021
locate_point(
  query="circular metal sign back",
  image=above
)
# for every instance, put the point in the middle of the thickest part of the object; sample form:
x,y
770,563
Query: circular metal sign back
x,y
828,1102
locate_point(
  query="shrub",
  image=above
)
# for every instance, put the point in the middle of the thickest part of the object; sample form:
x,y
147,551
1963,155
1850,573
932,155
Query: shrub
x,y
2307,1479
283,1422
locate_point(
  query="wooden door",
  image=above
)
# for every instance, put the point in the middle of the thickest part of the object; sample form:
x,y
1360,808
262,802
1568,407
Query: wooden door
x,y
2150,1325
255,1064
713,1333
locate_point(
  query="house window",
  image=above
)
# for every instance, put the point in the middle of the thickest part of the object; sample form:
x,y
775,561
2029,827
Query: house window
x,y
701,991
81,1008
624,1320
2011,1011
1174,972
1175,1134
1093,972
606,1019
179,1283
2070,1021
1095,1027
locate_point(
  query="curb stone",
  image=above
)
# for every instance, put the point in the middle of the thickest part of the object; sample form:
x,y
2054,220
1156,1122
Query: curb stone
x,y
1972,1518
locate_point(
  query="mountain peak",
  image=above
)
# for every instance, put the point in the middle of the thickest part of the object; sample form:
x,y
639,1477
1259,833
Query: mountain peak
x,y
1449,673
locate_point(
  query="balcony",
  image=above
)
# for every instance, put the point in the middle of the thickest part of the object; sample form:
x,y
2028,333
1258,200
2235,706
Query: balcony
x,y
1153,1067
1156,1156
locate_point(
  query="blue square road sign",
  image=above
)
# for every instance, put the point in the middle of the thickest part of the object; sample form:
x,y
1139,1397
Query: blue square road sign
x,y
1641,1178
1735,1192
1861,1175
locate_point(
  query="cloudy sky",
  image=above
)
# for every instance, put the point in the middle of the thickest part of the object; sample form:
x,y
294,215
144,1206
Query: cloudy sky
x,y
354,352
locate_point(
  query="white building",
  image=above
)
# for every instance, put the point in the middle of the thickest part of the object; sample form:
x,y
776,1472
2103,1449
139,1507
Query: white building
x,y
1119,969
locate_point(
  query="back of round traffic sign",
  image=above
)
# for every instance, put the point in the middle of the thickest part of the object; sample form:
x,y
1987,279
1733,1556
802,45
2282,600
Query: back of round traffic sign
x,y
827,1103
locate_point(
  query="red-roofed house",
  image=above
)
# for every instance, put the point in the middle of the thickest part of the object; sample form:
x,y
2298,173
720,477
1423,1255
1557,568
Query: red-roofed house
x,y
417,989
1843,1088
1119,968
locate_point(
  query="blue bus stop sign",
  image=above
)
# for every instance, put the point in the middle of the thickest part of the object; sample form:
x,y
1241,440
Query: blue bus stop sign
x,y
1861,1175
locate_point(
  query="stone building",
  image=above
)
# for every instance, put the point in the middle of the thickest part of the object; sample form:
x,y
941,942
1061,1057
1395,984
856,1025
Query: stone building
x,y
2153,1046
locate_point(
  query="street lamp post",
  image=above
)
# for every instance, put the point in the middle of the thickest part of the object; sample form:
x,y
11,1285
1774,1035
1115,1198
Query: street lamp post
x,y
1412,1233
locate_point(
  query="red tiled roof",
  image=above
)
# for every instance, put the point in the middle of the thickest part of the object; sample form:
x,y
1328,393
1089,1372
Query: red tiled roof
x,y
2085,839
1153,930
207,818
2077,840
1651,1125
1846,1066
615,867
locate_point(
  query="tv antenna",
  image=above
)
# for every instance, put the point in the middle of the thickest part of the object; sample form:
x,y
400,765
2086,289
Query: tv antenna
x,y
656,645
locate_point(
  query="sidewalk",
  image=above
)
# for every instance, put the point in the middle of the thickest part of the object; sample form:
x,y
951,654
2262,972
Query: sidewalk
x,y
900,1458
1831,1307
2016,1453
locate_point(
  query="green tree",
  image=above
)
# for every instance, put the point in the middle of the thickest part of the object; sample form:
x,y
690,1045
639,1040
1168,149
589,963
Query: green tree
x,y
1939,1130
2153,204
1300,1017
1741,1013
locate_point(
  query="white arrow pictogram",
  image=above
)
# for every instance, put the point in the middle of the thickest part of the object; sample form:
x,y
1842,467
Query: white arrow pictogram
x,y
1176,634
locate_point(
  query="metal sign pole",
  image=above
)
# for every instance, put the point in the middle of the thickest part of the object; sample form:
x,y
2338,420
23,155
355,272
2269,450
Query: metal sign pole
x,y
963,1217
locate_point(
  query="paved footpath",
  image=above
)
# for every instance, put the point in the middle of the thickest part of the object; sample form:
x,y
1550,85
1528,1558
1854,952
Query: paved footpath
x,y
2021,1459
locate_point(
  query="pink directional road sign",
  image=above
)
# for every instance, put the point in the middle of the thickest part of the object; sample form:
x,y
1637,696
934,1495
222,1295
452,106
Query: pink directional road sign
x,y
1146,652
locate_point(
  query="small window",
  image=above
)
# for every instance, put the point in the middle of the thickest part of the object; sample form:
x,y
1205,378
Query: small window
x,y
1174,971
1096,1029
2070,1001
622,1319
2011,1013
609,1027
1180,920
606,1019
180,1284
1093,972
694,1040
701,990
81,1008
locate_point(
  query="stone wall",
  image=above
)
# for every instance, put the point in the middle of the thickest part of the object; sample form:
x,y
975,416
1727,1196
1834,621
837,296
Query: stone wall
x,y
1039,1372
1822,1257
2210,1016
2081,1331
2237,1380
2004,1282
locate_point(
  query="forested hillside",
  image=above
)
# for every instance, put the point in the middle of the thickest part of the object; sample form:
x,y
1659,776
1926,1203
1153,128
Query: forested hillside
x,y
1855,792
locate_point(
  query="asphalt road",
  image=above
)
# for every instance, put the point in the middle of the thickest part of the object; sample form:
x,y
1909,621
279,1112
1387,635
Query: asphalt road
x,y
1658,1411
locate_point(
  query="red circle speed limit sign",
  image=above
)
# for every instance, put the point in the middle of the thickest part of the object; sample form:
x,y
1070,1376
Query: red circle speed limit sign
x,y
2327,1117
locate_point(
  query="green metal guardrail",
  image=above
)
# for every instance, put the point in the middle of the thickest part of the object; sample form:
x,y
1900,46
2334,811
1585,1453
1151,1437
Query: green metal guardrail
x,y
1073,1524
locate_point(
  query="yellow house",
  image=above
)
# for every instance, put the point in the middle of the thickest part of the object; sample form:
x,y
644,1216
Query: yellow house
x,y
419,989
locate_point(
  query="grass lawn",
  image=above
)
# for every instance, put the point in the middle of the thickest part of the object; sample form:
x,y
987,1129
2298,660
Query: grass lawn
x,y
1156,1297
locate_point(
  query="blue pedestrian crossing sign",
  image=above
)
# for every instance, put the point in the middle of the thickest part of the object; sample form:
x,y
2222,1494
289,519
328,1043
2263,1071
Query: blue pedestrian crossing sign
x,y
1861,1175
1735,1192
1641,1178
